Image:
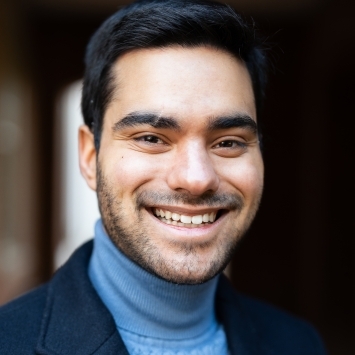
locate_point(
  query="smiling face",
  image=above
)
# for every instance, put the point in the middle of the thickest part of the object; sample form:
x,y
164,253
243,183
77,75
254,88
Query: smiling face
x,y
179,174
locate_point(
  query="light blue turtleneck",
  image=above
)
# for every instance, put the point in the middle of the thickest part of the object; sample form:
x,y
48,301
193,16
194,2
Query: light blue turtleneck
x,y
152,315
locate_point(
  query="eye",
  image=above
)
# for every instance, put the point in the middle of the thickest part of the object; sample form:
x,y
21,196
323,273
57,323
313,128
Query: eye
x,y
150,139
230,148
231,144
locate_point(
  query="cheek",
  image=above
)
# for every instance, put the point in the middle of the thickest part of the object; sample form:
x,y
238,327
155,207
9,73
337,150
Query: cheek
x,y
247,176
128,170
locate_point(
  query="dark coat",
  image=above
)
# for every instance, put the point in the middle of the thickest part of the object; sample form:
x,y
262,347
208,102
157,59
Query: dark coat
x,y
66,316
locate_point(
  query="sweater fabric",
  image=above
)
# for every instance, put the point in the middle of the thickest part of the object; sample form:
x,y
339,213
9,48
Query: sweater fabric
x,y
154,316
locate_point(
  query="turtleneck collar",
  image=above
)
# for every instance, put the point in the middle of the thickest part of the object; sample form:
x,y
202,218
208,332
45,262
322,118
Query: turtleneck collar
x,y
145,304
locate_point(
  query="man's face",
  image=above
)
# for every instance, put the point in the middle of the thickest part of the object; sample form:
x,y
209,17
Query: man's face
x,y
179,171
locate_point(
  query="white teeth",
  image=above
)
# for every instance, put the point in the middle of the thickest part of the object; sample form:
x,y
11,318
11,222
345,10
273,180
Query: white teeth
x,y
185,219
196,219
205,217
175,216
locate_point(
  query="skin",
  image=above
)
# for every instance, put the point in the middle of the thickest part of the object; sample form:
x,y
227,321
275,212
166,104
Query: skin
x,y
184,164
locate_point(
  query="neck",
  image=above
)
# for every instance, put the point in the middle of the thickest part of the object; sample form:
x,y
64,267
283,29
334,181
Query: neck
x,y
145,304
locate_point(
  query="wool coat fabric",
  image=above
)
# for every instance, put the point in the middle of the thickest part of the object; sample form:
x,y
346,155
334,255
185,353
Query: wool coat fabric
x,y
67,317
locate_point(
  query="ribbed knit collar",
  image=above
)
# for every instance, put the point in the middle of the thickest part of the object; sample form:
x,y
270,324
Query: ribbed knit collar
x,y
145,304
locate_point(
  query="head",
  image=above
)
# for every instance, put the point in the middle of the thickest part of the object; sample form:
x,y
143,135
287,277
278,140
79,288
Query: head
x,y
160,24
171,96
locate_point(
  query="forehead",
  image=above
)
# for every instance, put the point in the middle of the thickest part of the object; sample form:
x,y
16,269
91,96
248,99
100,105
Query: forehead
x,y
182,82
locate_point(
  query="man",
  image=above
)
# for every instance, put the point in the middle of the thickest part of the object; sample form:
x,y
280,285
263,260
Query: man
x,y
171,98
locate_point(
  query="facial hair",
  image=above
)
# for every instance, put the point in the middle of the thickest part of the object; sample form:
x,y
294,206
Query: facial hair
x,y
133,237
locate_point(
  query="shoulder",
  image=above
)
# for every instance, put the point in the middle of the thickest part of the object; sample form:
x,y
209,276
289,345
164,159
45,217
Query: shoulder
x,y
281,329
20,322
67,307
274,330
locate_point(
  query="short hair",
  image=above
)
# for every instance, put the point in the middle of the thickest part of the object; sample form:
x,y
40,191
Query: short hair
x,y
163,23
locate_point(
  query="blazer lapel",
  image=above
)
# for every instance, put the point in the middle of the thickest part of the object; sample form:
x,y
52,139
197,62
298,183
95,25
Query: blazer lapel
x,y
75,320
241,335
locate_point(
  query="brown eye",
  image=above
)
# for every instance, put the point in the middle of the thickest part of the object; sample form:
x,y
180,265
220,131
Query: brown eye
x,y
150,139
230,144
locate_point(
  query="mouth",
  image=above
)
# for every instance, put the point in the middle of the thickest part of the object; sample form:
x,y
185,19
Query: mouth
x,y
197,220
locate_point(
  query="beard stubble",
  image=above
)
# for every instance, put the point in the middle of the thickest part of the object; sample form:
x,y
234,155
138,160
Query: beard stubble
x,y
133,237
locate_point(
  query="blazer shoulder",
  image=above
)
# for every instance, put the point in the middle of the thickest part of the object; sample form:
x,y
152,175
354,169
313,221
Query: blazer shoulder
x,y
20,322
263,329
280,329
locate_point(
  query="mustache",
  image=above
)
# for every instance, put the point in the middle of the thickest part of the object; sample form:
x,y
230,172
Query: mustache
x,y
220,200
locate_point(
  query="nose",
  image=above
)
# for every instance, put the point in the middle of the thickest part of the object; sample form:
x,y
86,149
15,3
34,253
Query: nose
x,y
192,170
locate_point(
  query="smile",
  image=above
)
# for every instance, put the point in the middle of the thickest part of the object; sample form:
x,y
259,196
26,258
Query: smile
x,y
181,220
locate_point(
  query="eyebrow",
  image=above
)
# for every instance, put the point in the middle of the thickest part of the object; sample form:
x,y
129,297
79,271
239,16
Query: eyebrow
x,y
140,118
233,121
154,120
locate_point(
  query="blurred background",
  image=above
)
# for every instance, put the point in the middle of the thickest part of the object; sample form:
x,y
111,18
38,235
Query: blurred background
x,y
299,254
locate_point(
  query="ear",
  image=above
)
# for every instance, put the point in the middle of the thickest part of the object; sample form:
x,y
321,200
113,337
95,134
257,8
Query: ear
x,y
87,156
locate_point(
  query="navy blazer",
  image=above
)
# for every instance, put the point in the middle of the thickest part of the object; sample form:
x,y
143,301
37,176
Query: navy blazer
x,y
66,316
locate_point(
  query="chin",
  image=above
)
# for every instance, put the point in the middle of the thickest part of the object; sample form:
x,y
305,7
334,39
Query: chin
x,y
186,269
186,277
